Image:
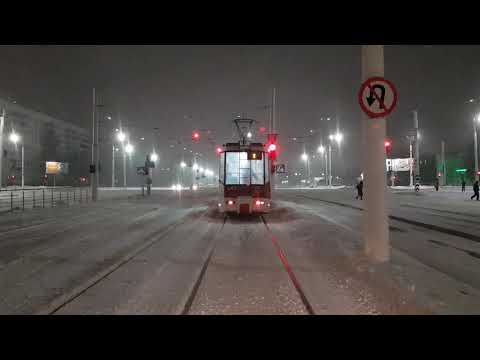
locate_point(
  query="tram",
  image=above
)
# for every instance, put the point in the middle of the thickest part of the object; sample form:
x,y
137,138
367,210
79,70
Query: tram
x,y
244,175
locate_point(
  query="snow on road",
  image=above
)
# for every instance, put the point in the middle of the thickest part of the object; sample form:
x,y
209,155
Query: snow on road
x,y
172,253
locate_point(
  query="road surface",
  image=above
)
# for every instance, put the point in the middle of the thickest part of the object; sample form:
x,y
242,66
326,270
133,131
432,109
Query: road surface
x,y
173,253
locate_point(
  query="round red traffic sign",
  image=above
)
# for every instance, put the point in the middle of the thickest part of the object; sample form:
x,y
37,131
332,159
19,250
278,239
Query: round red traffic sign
x,y
377,97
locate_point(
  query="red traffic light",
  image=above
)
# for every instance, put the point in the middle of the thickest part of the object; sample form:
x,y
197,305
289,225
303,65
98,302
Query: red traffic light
x,y
196,135
387,144
219,150
272,151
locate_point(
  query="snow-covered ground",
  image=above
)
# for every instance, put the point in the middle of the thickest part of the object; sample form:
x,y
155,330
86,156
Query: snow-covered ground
x,y
173,253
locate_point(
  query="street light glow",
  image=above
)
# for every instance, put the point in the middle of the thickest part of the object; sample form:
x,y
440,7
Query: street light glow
x,y
121,136
14,138
338,137
129,148
182,164
321,149
153,157
195,167
249,135
304,157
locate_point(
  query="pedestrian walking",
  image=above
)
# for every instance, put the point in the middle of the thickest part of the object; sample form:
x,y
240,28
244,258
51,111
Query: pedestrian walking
x,y
360,190
475,191
437,184
463,185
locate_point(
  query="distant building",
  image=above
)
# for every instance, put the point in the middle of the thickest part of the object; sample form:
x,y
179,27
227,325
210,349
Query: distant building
x,y
45,139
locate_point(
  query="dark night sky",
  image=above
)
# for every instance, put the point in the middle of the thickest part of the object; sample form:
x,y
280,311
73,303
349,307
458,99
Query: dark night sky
x,y
158,86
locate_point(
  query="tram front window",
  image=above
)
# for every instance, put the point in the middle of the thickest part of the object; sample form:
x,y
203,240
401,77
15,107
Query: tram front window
x,y
241,171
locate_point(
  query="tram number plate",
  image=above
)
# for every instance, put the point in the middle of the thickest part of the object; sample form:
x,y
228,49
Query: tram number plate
x,y
280,168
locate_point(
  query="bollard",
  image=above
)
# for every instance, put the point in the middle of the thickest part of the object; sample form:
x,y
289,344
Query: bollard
x,y
33,199
74,196
87,195
23,200
60,196
43,198
11,201
68,198
51,203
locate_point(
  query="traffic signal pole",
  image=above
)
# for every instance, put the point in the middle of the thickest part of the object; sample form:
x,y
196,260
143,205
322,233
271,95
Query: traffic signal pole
x,y
273,131
377,245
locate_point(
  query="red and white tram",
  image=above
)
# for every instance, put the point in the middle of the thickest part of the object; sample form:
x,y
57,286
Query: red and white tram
x,y
244,177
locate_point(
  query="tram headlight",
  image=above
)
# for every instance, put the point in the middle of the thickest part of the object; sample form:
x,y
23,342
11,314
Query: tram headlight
x,y
230,202
195,187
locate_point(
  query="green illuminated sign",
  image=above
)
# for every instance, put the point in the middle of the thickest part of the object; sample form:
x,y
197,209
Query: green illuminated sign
x,y
461,170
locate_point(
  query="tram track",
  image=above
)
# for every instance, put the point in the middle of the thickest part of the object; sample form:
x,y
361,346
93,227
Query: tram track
x,y
437,228
196,286
280,254
59,303
286,265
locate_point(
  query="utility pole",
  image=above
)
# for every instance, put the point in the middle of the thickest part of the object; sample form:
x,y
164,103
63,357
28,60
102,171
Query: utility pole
x,y
444,175
124,167
325,168
94,175
411,160
2,122
376,232
113,165
417,151
23,166
329,164
475,144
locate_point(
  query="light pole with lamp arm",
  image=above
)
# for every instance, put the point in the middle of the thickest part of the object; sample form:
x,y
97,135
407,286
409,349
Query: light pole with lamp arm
x,y
15,138
338,137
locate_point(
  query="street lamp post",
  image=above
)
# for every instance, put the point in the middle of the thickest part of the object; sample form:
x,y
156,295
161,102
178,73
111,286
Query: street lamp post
x,y
153,158
15,138
113,165
306,159
475,120
330,164
338,137
321,151
127,149
2,121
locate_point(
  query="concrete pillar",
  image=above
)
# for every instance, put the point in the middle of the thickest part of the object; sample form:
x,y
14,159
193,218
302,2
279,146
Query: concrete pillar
x,y
377,245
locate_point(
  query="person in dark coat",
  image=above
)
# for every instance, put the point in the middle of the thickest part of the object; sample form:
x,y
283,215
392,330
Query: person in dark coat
x,y
463,185
437,184
475,191
360,190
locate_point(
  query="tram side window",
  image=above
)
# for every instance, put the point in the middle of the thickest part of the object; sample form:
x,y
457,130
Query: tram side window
x,y
267,171
221,171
